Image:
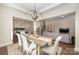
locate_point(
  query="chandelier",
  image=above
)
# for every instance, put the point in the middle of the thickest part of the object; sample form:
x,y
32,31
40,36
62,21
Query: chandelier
x,y
35,13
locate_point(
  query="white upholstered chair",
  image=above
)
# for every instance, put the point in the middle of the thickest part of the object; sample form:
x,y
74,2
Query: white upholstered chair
x,y
28,48
32,47
19,41
53,50
25,45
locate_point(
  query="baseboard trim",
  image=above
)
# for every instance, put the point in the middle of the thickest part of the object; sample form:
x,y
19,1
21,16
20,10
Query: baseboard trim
x,y
76,49
5,44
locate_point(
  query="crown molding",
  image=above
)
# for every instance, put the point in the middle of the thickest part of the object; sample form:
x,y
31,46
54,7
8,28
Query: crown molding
x,y
17,7
49,7
29,13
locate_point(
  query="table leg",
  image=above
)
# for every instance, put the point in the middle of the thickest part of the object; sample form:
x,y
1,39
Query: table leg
x,y
36,49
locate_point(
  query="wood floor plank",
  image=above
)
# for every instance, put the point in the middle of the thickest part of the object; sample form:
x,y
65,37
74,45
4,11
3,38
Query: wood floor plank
x,y
3,50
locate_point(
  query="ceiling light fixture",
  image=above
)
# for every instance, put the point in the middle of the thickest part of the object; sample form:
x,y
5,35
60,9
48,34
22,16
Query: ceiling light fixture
x,y
35,13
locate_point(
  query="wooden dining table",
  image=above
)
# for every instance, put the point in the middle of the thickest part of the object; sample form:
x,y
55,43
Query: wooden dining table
x,y
41,41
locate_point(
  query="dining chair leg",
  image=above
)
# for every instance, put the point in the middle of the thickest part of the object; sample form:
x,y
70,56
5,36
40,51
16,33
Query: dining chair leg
x,y
18,47
39,50
36,49
21,49
25,53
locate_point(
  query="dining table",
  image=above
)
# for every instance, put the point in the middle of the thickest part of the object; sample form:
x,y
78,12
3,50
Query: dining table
x,y
40,41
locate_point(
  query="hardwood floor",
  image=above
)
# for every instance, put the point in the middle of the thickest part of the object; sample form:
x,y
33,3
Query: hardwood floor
x,y
3,50
68,49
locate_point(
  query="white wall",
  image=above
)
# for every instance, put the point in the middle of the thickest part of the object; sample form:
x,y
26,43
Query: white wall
x,y
77,30
6,23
